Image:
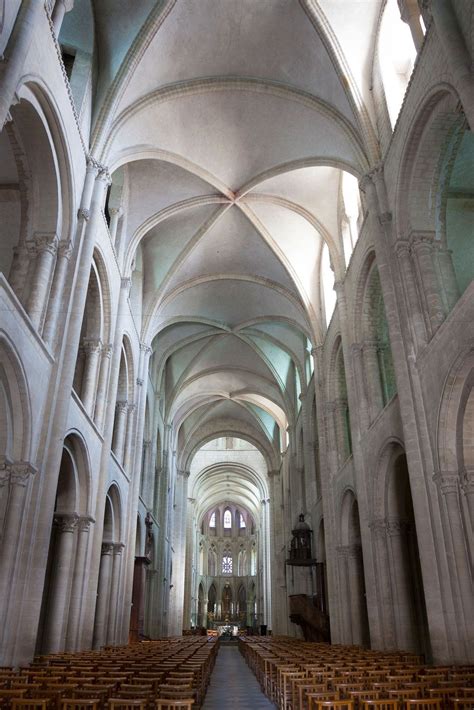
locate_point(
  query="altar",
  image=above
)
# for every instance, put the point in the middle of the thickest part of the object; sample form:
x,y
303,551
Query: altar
x,y
227,629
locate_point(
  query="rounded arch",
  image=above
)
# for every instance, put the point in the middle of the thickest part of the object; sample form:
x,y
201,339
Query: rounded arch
x,y
75,449
15,404
455,439
420,174
113,514
349,518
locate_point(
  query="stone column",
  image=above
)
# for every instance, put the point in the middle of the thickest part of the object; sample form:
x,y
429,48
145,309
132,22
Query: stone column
x,y
102,386
128,450
114,593
57,16
355,571
345,593
56,298
14,480
468,490
383,582
115,214
103,595
27,21
400,582
60,586
73,642
448,485
374,383
410,13
422,247
92,350
46,246
360,383
340,413
121,412
415,315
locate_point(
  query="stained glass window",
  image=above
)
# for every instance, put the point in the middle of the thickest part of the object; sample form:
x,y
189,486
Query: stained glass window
x,y
212,520
226,565
242,521
227,519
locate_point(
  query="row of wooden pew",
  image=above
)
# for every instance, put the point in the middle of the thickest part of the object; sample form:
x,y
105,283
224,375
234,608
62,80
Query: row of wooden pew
x,y
300,675
170,673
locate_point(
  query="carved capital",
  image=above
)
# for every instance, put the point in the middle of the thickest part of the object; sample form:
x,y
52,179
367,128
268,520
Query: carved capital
x,y
447,482
185,474
46,242
92,346
117,548
16,473
107,548
402,248
65,250
121,407
84,523
317,351
107,351
378,526
83,213
146,348
139,382
66,522
125,283
395,528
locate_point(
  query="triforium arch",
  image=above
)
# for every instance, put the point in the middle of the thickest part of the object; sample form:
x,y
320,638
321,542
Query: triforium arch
x,y
351,572
400,589
62,605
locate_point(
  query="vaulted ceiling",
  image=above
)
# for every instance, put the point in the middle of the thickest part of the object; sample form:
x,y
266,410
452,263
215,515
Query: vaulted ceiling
x,y
230,125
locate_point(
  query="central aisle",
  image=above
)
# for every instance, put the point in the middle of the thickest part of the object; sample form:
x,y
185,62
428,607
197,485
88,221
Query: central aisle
x,y
233,685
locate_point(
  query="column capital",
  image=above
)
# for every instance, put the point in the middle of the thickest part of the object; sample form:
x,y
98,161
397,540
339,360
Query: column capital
x,y
117,548
92,345
302,396
273,472
107,350
83,213
116,211
139,382
317,351
84,523
402,248
145,348
65,249
338,287
46,242
421,240
395,528
107,548
356,349
467,481
183,473
66,522
131,408
122,407
16,472
378,525
447,481
126,283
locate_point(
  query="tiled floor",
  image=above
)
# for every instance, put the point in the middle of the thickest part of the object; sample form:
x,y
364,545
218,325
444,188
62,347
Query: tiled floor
x,y
233,685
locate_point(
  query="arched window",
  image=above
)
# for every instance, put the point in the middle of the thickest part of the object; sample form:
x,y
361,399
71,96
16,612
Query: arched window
x,y
242,521
227,520
227,563
397,56
327,283
212,520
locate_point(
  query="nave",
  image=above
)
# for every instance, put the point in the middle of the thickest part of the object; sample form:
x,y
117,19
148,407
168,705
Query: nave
x,y
252,673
